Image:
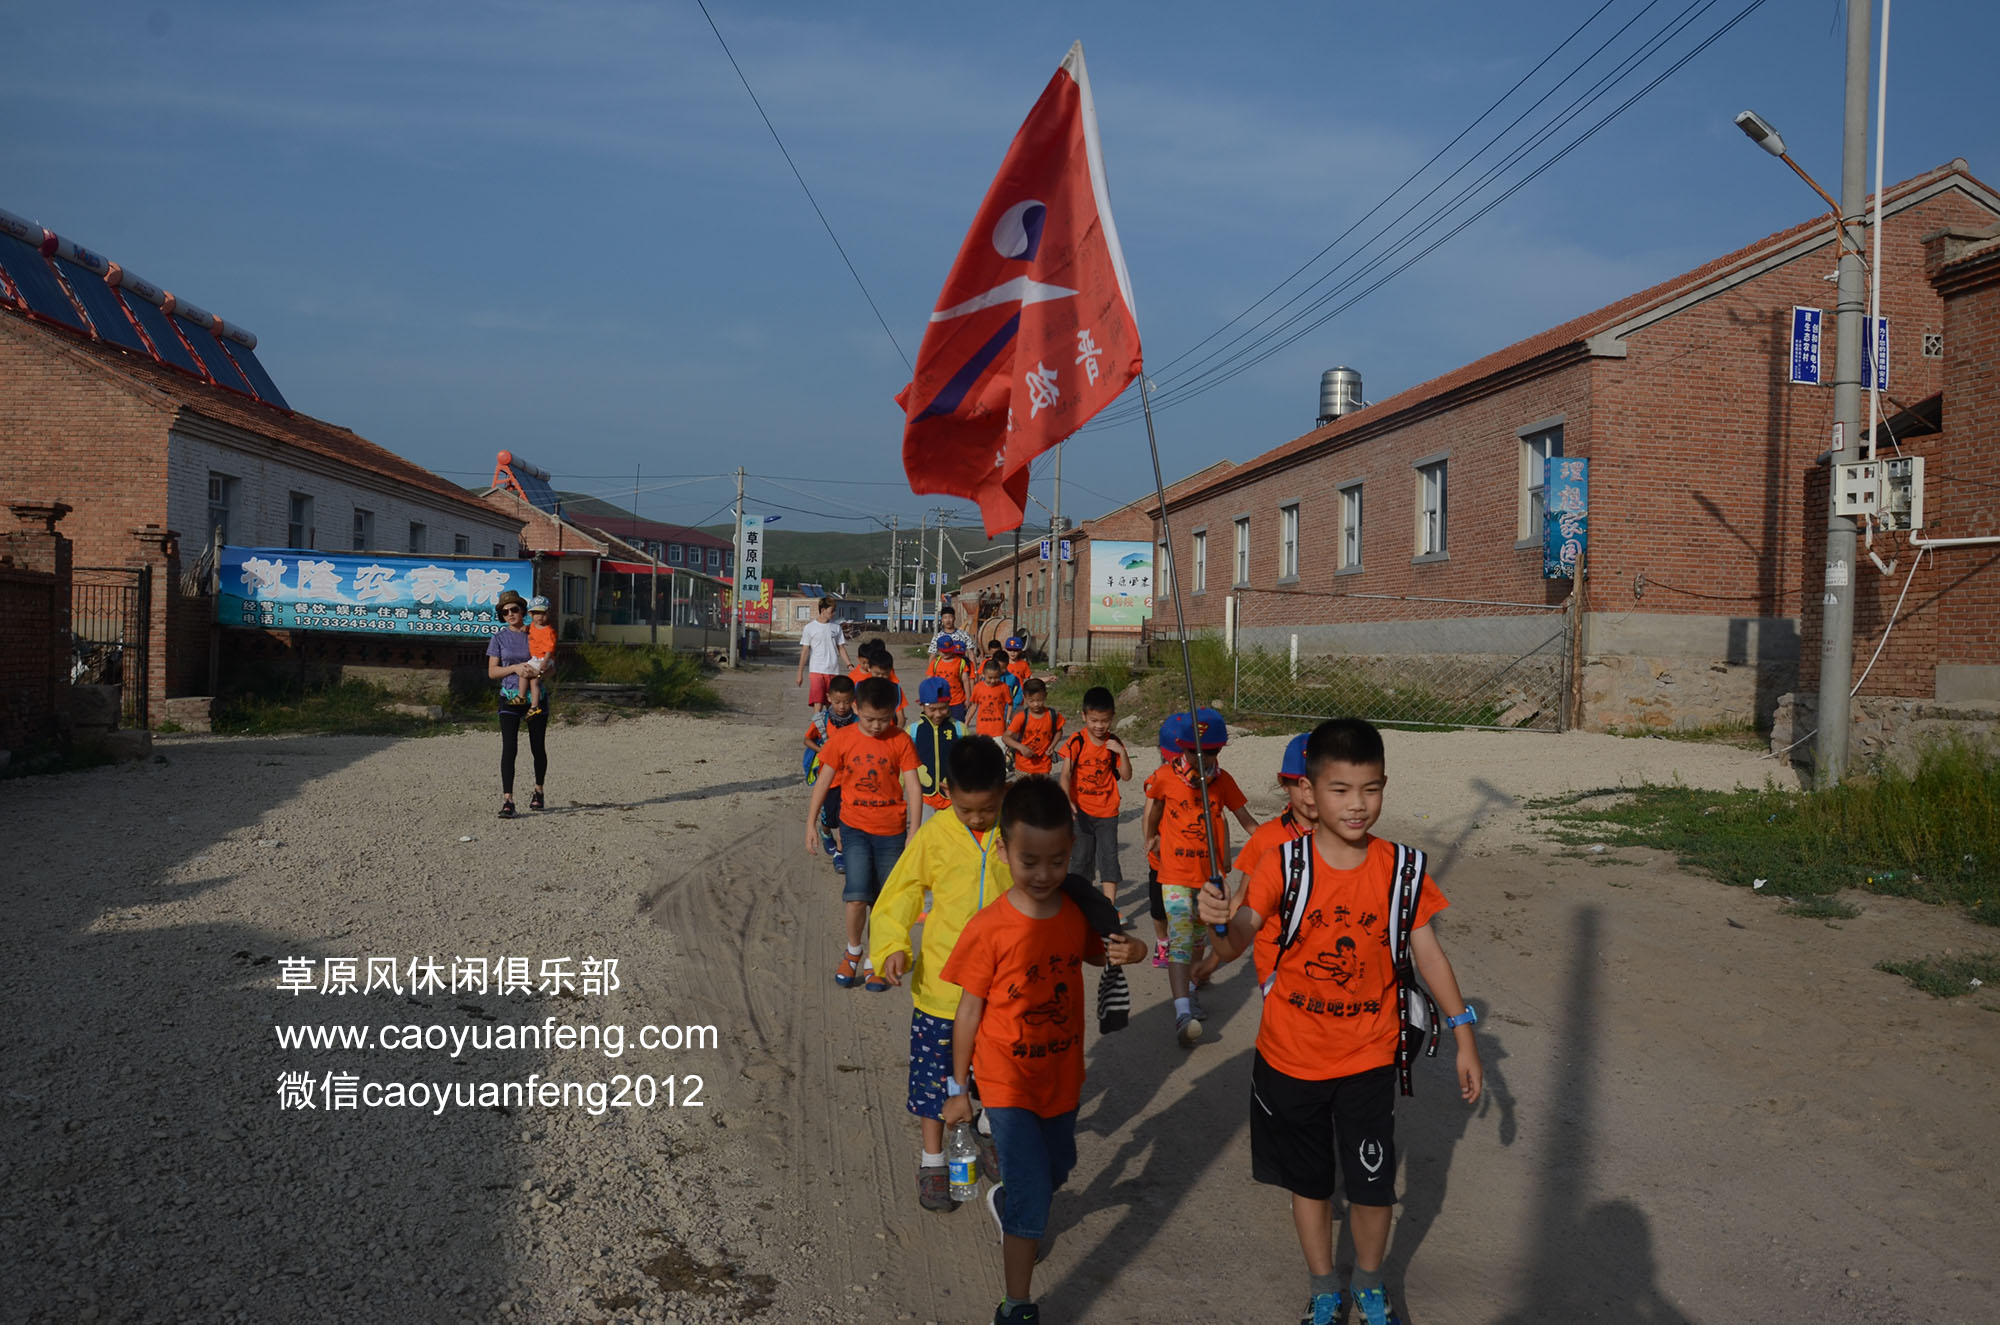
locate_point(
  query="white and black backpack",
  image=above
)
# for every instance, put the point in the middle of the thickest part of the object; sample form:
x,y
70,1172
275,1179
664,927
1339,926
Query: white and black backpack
x,y
1417,1011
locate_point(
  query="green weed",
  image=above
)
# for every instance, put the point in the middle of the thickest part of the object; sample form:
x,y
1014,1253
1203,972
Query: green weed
x,y
350,708
1821,908
1933,834
670,679
1948,977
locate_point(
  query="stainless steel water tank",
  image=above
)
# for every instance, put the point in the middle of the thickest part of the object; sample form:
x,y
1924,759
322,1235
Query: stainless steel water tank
x,y
1339,393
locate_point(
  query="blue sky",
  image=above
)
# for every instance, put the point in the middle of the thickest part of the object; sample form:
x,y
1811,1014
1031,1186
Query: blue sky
x,y
561,229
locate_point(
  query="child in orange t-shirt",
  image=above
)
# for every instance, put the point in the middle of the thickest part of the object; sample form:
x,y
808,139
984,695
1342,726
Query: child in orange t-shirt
x,y
1019,1029
950,664
1175,822
992,701
1327,915
541,650
874,763
1094,763
1035,729
1017,660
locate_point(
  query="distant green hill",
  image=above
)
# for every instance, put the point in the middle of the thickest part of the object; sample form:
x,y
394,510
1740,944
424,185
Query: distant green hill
x,y
826,555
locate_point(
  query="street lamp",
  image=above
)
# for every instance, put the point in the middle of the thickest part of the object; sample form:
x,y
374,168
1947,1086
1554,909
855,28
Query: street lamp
x,y
1762,133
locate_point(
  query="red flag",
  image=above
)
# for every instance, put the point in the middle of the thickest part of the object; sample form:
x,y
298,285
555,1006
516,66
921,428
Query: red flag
x,y
1034,332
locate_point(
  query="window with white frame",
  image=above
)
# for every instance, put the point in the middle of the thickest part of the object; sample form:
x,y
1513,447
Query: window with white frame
x,y
715,558
673,554
364,530
1243,551
419,538
1200,575
299,521
1350,527
1432,511
1537,448
1288,541
1163,573
222,490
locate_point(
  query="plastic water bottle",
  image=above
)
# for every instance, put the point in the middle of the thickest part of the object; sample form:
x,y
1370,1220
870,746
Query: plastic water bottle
x,y
961,1157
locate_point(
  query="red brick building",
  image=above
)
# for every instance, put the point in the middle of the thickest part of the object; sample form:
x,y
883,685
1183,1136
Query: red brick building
x,y
155,422
1699,444
1935,667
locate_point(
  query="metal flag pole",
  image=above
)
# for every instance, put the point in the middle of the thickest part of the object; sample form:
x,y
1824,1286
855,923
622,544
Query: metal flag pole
x,y
1187,658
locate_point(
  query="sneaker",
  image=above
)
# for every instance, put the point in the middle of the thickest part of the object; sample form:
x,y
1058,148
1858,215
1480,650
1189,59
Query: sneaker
x,y
1024,1313
840,862
1160,955
1187,1028
535,802
989,1156
828,842
1324,1309
1195,1009
996,1205
848,973
1373,1304
934,1188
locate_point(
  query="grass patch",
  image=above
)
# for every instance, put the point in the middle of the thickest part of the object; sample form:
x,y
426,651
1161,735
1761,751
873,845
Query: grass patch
x,y
670,679
1933,834
1331,687
1744,735
1949,976
1821,908
349,708
1985,912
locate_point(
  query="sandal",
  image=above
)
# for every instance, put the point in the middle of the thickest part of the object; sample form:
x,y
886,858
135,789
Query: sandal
x,y
535,801
507,809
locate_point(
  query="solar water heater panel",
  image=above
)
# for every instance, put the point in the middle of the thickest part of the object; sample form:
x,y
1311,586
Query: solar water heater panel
x,y
161,332
260,381
37,282
106,313
220,366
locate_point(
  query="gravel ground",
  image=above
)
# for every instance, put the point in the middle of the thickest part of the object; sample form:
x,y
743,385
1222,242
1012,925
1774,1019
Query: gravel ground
x,y
1652,1041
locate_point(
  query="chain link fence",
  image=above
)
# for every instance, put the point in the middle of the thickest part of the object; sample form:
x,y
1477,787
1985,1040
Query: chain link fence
x,y
1390,658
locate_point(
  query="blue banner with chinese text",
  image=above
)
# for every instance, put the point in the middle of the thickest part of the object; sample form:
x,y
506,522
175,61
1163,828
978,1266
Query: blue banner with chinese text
x,y
1565,515
299,589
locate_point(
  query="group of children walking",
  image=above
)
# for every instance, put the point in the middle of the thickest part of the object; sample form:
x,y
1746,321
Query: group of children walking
x,y
994,867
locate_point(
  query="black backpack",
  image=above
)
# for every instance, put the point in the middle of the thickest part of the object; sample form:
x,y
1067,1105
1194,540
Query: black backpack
x,y
1415,1007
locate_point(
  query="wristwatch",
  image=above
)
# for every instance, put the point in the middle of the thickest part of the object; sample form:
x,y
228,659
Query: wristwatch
x,y
1465,1018
952,1089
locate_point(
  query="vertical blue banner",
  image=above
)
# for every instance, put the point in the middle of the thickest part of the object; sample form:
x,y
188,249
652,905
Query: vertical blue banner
x,y
1880,359
1565,515
1806,323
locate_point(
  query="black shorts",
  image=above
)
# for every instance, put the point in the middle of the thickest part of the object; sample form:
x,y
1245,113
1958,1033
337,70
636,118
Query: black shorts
x,y
1296,1126
1156,900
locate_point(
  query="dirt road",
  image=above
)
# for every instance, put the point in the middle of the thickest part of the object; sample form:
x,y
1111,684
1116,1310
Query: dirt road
x,y
1698,1109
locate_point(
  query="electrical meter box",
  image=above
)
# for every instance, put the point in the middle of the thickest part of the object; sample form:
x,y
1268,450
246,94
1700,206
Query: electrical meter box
x,y
1890,491
1902,493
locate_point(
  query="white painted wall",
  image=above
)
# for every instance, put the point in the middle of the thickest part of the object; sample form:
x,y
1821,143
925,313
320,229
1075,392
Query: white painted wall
x,y
268,475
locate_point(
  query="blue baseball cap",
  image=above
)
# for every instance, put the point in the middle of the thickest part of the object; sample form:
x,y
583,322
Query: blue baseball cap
x,y
1015,643
1214,731
949,644
1293,765
934,690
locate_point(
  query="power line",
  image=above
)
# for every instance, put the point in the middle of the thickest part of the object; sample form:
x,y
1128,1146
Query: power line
x,y
803,185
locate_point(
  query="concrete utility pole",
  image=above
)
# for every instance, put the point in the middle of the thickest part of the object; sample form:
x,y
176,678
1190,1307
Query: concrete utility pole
x,y
1836,663
923,532
736,590
893,617
943,515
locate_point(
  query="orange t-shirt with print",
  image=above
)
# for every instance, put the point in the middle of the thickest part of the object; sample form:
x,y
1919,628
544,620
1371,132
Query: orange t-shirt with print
x,y
1094,770
1331,1011
1029,1051
1021,670
990,703
952,669
1183,855
1039,732
1271,833
869,772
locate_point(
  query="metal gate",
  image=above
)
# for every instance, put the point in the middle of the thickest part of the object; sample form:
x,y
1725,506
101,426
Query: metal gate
x,y
110,632
1404,660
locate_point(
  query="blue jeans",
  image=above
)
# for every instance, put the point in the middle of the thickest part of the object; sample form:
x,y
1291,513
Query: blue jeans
x,y
868,858
1036,1155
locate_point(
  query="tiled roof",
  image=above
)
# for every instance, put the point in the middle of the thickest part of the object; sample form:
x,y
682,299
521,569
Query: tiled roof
x,y
629,527
174,392
1569,337
1138,507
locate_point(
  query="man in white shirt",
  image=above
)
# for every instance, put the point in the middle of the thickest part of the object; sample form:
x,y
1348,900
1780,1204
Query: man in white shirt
x,y
823,650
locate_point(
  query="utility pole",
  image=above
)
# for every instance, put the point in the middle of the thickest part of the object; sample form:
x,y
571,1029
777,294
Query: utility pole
x,y
1836,662
736,588
943,515
1014,598
893,616
923,531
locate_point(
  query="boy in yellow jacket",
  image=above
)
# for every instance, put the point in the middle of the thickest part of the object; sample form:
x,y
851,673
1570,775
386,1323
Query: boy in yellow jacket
x,y
956,857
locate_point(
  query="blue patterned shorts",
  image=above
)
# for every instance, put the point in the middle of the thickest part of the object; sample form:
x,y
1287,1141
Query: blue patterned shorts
x,y
1187,937
930,1063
